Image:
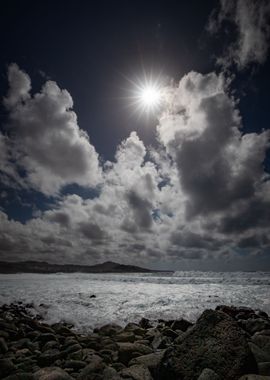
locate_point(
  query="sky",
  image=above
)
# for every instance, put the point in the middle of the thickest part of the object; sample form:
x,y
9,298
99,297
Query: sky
x,y
90,174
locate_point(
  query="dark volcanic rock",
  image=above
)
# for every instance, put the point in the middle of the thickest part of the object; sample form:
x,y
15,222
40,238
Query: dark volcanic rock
x,y
51,373
215,342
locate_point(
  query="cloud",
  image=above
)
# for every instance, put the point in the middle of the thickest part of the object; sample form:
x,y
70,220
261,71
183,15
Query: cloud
x,y
248,21
46,139
200,194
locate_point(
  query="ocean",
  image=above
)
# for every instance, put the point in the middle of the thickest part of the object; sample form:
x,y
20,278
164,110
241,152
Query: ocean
x,y
122,298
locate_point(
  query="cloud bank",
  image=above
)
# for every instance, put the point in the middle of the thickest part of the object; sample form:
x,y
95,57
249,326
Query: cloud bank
x,y
201,193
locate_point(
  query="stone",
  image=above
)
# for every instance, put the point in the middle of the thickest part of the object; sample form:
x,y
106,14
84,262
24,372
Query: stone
x,y
262,341
259,354
151,361
145,323
110,329
51,373
49,357
215,341
181,324
96,365
3,346
208,374
20,376
254,325
6,367
76,364
110,373
125,337
136,372
264,368
126,351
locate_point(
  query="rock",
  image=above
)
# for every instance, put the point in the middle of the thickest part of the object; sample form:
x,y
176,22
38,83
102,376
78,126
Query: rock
x,y
232,311
215,341
259,354
136,329
254,325
125,337
254,377
6,367
51,373
76,364
262,341
145,323
72,348
49,357
46,337
169,333
3,346
96,365
20,376
160,341
151,361
136,372
208,374
110,329
181,324
93,296
126,351
110,373
264,368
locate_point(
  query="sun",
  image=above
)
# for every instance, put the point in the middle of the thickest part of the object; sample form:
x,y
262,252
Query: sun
x,y
150,96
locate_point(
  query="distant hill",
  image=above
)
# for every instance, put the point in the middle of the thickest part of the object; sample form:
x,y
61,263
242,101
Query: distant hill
x,y
43,267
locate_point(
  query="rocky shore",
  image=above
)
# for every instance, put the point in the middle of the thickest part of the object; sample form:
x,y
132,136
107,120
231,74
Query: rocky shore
x,y
228,343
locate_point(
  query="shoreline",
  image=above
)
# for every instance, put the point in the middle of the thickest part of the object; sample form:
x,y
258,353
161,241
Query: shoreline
x,y
223,344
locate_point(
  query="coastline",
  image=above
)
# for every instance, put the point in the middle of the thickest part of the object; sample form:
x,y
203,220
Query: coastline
x,y
227,343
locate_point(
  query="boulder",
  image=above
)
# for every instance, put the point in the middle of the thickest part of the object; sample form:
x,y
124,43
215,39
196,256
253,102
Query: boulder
x,y
216,342
95,366
110,329
49,357
181,324
136,372
127,350
151,361
254,325
259,354
20,376
208,374
51,373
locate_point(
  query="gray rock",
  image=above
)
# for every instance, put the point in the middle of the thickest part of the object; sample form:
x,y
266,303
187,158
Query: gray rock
x,y
95,366
254,325
110,373
3,346
51,373
110,329
262,341
126,351
215,341
151,361
208,374
259,354
264,368
125,337
136,372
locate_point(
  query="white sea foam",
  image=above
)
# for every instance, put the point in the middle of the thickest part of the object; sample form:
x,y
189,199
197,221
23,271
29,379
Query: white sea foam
x,y
121,298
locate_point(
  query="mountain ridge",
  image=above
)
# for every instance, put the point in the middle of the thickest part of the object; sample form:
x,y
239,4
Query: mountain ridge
x,y
44,267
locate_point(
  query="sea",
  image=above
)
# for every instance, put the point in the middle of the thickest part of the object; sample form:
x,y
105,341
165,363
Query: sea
x,y
91,300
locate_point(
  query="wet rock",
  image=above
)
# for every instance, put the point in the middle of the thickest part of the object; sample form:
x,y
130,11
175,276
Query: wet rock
x,y
215,341
208,374
145,323
160,341
126,351
3,346
6,367
51,373
110,373
262,341
125,337
93,296
136,372
46,337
